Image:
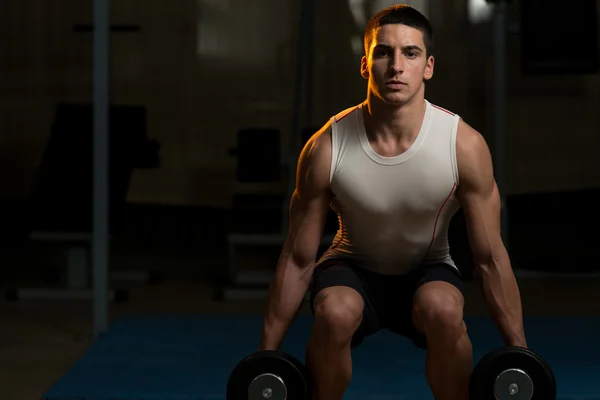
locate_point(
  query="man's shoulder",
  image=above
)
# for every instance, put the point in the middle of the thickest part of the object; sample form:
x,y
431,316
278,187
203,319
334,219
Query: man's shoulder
x,y
468,138
318,146
443,116
315,158
321,137
319,142
465,132
345,113
442,110
472,152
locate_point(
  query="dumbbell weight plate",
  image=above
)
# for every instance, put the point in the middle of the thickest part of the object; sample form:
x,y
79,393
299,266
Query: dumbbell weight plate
x,y
269,375
267,386
513,384
502,367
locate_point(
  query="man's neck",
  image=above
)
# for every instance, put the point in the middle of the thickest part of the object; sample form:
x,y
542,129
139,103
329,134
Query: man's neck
x,y
394,122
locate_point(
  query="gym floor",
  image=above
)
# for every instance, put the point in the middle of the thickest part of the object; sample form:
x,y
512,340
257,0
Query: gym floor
x,y
41,340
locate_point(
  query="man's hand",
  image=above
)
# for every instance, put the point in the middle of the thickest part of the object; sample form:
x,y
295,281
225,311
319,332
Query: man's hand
x,y
480,199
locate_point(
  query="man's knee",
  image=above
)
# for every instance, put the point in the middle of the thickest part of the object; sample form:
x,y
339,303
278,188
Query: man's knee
x,y
438,311
338,311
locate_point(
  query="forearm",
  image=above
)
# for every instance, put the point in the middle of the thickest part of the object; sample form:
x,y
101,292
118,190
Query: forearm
x,y
286,293
502,296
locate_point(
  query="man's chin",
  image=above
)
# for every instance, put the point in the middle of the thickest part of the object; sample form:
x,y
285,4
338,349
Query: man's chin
x,y
395,99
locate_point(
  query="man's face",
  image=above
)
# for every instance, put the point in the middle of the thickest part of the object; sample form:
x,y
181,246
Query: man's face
x,y
397,65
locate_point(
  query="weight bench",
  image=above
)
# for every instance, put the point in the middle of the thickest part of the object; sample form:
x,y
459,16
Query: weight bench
x,y
78,285
61,207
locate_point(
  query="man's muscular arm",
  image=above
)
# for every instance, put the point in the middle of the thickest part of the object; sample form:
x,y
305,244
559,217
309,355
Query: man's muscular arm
x,y
308,211
479,195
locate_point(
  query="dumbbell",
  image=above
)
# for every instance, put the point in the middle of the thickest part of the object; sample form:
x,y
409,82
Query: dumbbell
x,y
509,373
269,375
512,373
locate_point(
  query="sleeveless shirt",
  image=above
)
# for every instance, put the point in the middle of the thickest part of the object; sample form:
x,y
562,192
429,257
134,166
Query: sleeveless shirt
x,y
393,212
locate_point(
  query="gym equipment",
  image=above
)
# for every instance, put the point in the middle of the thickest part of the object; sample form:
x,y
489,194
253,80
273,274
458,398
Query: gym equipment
x,y
190,356
512,373
273,375
258,160
61,208
247,285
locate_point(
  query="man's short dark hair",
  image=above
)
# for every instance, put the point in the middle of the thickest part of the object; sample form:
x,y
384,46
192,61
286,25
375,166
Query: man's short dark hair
x,y
400,14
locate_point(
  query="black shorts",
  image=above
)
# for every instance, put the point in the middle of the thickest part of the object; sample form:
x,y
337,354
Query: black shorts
x,y
388,299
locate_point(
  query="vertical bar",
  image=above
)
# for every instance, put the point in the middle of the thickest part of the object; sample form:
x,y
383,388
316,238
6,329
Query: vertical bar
x,y
100,166
500,113
296,129
310,64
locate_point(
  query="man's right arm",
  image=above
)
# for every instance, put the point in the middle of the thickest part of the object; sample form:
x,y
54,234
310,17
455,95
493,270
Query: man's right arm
x,y
308,211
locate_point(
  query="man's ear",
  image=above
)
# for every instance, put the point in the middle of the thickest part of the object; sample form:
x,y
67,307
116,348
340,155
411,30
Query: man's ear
x,y
429,68
364,69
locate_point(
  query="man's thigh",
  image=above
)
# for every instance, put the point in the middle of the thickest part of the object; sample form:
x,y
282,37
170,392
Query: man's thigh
x,y
399,306
334,273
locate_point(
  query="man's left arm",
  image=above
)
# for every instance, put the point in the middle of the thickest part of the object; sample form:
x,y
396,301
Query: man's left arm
x,y
479,195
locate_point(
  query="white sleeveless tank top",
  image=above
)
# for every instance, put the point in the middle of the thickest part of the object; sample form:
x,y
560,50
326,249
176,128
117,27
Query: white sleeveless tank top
x,y
393,212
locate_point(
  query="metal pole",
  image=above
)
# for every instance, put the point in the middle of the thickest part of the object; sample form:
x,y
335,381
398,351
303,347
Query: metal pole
x,y
310,65
499,107
302,59
100,248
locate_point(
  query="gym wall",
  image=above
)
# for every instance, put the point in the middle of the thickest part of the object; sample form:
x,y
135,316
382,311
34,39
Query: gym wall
x,y
202,81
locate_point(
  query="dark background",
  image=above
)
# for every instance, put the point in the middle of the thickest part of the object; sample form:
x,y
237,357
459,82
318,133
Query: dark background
x,y
192,80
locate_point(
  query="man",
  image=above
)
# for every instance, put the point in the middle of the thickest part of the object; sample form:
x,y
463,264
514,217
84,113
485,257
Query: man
x,y
395,168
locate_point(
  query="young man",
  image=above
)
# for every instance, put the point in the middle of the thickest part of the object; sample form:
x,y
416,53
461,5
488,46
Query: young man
x,y
395,168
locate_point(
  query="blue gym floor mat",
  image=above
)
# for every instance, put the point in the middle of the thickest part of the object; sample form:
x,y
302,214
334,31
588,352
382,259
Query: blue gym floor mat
x,y
189,357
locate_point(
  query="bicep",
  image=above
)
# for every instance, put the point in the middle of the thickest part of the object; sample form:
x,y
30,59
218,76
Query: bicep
x,y
309,204
479,195
307,219
482,210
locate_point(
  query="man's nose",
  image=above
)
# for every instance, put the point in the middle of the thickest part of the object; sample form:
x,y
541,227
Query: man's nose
x,y
397,64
